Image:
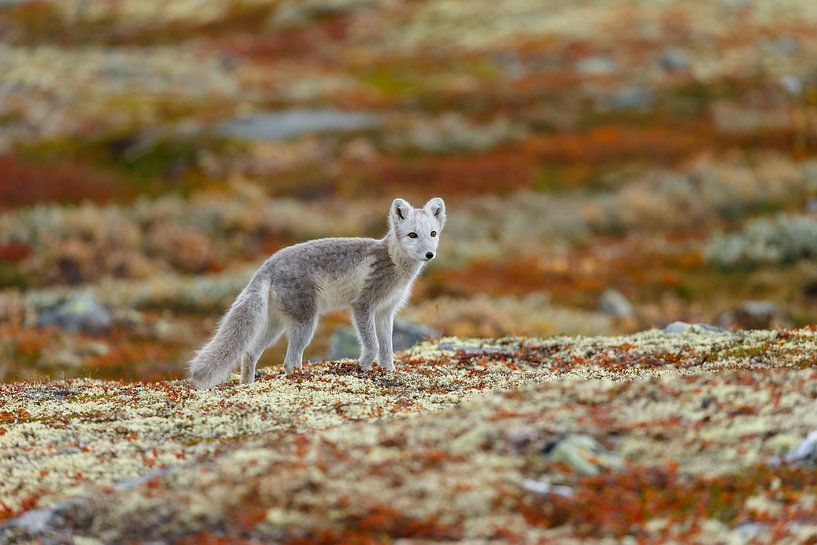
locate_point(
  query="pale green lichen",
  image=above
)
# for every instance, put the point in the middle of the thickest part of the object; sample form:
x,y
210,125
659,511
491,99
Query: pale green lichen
x,y
467,422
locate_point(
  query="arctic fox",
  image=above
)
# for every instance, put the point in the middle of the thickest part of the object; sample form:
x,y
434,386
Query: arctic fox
x,y
297,284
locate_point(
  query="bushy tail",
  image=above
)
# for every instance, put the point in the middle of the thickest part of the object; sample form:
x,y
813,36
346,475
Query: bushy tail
x,y
235,334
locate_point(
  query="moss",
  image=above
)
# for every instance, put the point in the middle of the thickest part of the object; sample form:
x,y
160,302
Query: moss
x,y
742,352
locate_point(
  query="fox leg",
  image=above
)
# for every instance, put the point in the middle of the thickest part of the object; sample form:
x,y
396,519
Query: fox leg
x,y
384,324
299,334
364,324
250,358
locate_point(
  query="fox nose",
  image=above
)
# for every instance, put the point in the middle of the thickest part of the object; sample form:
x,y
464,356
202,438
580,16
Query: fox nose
x,y
429,255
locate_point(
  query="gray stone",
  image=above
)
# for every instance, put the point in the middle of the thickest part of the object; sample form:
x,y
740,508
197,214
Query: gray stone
x,y
296,122
583,453
80,312
682,327
612,302
407,334
747,531
752,315
804,454
632,98
788,45
344,343
791,84
47,393
34,522
542,488
477,349
674,59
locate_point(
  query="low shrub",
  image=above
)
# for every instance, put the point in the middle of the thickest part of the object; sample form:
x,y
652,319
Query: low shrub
x,y
782,239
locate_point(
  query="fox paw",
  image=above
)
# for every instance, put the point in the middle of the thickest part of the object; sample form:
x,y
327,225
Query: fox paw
x,y
365,362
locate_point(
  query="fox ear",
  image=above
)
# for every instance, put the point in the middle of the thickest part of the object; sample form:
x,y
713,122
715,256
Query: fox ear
x,y
436,207
399,211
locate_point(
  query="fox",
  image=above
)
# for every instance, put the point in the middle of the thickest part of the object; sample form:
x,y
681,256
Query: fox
x,y
299,283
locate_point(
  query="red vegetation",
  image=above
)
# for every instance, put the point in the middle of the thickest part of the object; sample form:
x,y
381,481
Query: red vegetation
x,y
568,279
294,43
615,143
576,157
380,524
24,183
488,172
620,503
8,417
208,538
117,354
14,251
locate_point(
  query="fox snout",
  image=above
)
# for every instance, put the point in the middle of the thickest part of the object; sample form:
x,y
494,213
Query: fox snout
x,y
429,256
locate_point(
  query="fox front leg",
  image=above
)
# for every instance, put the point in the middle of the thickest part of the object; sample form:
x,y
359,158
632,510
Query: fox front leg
x,y
384,327
364,324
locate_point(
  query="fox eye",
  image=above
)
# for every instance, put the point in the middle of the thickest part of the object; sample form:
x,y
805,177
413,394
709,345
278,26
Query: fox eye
x,y
433,233
412,235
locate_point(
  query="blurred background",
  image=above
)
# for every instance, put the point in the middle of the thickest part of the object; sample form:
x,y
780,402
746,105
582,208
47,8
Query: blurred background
x,y
608,166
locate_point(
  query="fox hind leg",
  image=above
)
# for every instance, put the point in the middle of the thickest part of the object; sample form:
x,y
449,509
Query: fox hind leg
x,y
298,335
249,359
248,368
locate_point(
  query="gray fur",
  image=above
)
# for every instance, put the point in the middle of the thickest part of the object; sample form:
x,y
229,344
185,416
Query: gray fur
x,y
297,284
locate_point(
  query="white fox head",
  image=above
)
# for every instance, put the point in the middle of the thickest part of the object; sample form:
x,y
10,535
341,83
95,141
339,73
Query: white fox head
x,y
417,230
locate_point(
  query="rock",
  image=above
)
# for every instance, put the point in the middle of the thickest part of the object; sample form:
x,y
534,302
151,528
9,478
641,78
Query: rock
x,y
632,98
541,488
47,393
78,313
751,315
296,122
344,343
509,64
804,454
748,531
791,84
682,327
674,59
612,302
33,522
407,334
476,349
582,453
787,45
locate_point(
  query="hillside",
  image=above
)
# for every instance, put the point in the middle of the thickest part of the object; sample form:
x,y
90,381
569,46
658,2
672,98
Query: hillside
x,y
609,168
686,435
155,152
